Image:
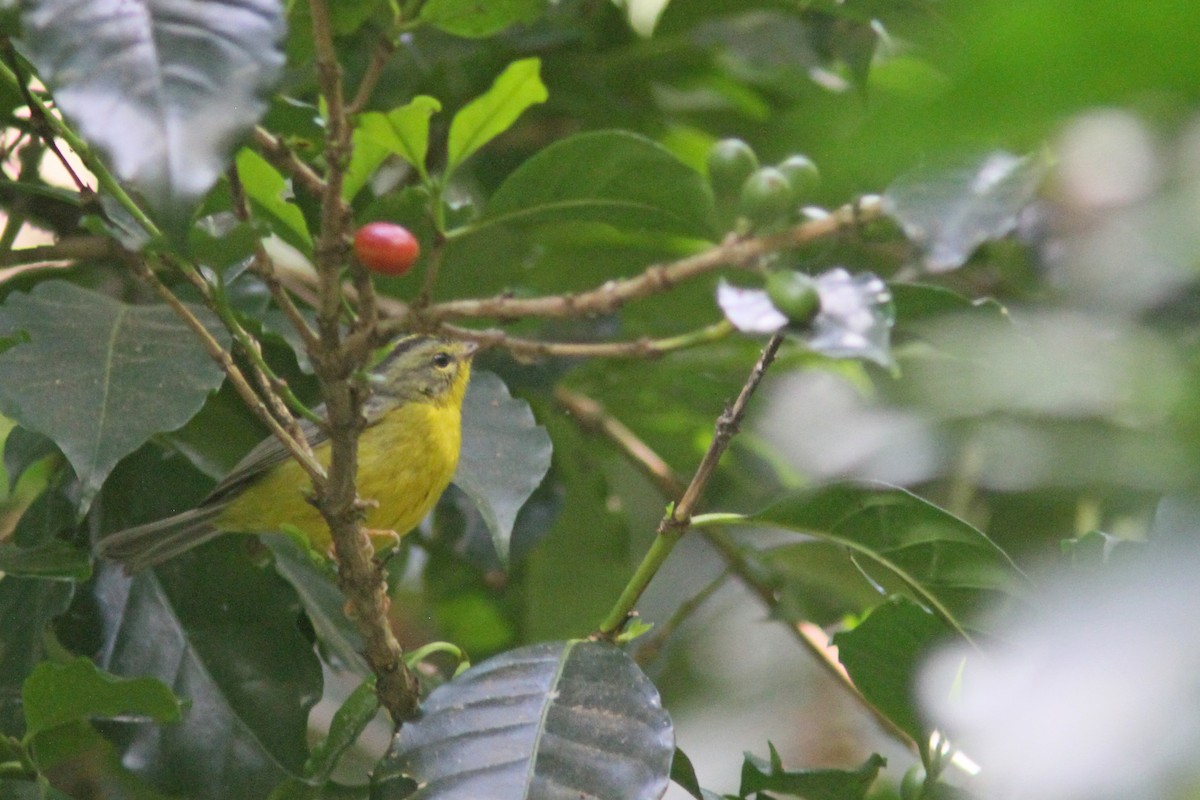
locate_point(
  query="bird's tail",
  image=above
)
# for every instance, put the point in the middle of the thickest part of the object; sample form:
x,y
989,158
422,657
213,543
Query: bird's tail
x,y
155,542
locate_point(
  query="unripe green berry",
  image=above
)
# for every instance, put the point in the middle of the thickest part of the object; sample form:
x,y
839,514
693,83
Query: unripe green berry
x,y
794,294
730,162
766,196
803,176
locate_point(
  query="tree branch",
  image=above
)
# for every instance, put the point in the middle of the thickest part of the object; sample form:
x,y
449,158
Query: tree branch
x,y
336,361
675,522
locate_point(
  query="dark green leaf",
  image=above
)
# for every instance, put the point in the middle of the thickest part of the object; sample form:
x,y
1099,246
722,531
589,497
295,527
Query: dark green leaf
x,y
882,654
58,694
553,720
337,636
54,560
12,789
202,72
810,784
222,634
27,605
476,19
492,113
684,774
618,178
946,564
505,455
950,213
348,722
104,384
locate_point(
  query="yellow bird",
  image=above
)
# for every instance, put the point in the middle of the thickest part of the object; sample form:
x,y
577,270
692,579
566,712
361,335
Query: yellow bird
x,y
407,455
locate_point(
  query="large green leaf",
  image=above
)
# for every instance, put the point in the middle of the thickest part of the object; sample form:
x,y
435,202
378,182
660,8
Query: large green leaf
x,y
222,634
619,178
882,654
493,112
403,132
270,194
98,376
899,539
505,455
474,19
27,605
553,720
165,88
63,693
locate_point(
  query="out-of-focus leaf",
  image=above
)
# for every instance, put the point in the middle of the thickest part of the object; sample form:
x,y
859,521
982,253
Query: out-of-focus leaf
x,y
58,694
164,88
12,789
950,213
269,192
493,112
54,560
474,19
505,455
222,634
816,582
403,131
22,449
102,385
27,605
619,178
325,605
559,719
882,654
810,784
684,774
946,564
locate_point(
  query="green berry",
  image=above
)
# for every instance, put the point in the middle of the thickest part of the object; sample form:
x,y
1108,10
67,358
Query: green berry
x,y
912,785
766,196
730,162
794,294
803,176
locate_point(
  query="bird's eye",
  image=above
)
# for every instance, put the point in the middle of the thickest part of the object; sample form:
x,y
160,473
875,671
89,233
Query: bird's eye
x,y
441,360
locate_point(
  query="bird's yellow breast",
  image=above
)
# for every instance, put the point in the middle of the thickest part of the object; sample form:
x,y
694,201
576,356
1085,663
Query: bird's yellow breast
x,y
405,462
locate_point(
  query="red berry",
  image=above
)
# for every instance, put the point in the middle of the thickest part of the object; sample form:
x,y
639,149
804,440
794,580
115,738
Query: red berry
x,y
386,248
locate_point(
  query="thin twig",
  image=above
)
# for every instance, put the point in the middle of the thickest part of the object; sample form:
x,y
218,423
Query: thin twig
x,y
384,48
282,157
676,520
639,348
655,279
654,642
77,248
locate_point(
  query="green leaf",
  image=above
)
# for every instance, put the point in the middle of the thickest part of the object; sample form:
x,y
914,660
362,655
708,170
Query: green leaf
x,y
223,634
11,789
55,560
900,540
202,76
348,723
27,606
614,177
545,720
493,112
479,18
684,774
339,639
23,449
403,131
59,694
951,212
811,784
882,654
505,455
102,385
269,193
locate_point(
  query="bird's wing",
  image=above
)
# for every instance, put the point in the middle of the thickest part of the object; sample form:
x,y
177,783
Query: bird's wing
x,y
270,451
266,454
